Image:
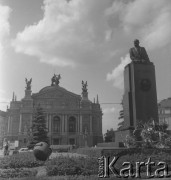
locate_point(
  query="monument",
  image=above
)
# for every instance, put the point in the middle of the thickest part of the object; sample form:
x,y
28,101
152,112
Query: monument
x,y
140,96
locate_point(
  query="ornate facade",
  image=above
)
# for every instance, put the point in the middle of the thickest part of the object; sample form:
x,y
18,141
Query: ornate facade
x,y
70,118
3,126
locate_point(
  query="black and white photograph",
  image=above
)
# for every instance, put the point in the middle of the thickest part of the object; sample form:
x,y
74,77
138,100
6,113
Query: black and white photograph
x,y
85,89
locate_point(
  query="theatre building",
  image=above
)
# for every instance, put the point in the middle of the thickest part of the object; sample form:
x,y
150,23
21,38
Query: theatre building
x,y
70,118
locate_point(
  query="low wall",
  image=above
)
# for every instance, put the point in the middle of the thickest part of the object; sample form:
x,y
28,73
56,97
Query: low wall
x,y
107,144
110,152
61,147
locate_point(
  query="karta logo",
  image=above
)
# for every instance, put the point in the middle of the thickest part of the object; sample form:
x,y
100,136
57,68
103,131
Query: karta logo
x,y
128,169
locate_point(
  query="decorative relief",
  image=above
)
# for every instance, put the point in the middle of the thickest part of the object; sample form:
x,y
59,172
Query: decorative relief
x,y
86,105
52,95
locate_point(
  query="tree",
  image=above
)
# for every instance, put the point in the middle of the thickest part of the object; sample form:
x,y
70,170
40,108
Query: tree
x,y
39,129
109,135
121,117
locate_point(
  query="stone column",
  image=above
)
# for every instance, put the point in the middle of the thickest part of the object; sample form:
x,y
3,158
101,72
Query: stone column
x,y
9,118
47,121
78,123
60,124
91,124
63,119
20,124
31,120
50,123
81,123
66,124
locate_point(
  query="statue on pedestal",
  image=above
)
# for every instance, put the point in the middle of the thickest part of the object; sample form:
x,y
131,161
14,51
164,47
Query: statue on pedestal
x,y
28,84
55,79
138,54
84,86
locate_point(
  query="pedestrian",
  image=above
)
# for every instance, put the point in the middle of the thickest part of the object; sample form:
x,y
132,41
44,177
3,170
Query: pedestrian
x,y
6,146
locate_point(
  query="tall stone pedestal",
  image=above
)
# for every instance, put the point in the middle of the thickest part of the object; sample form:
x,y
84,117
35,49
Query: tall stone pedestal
x,y
140,96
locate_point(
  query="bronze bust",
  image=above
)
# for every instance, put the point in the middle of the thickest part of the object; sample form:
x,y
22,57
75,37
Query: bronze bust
x,y
138,53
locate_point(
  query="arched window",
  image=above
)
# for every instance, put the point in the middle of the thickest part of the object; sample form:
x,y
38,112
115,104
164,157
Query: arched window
x,y
56,124
72,124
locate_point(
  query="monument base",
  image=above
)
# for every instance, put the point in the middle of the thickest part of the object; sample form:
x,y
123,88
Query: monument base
x,y
120,136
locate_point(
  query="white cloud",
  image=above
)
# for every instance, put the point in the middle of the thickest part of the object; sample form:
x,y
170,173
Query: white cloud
x,y
4,35
3,100
4,27
69,33
153,22
117,74
146,20
159,34
89,31
84,32
109,110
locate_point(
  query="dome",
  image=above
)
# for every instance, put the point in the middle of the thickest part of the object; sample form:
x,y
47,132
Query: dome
x,y
50,88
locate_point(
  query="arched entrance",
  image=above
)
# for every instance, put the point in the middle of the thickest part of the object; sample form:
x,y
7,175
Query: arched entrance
x,y
56,124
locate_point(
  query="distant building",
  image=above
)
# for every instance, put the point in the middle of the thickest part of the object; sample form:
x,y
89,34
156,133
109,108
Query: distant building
x,y
70,118
164,110
3,125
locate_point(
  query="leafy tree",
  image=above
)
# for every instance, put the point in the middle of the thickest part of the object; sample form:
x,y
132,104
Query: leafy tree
x,y
120,125
109,135
121,117
39,129
121,114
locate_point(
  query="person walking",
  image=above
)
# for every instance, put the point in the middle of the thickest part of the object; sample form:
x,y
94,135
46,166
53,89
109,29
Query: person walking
x,y
5,147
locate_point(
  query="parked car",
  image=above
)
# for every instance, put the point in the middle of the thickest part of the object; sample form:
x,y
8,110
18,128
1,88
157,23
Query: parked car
x,y
24,150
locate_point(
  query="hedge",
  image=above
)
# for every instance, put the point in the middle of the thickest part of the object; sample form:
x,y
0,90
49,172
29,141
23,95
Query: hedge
x,y
21,160
17,173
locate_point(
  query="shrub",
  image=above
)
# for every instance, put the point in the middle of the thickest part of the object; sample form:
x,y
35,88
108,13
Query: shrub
x,y
168,141
72,166
13,173
149,135
20,160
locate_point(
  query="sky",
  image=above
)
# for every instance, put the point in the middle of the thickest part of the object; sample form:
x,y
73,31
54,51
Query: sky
x,y
82,40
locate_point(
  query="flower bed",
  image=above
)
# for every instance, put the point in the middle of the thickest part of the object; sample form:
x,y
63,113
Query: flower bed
x,y
21,160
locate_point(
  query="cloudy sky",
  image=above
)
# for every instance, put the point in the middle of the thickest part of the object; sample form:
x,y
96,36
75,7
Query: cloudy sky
x,y
82,40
